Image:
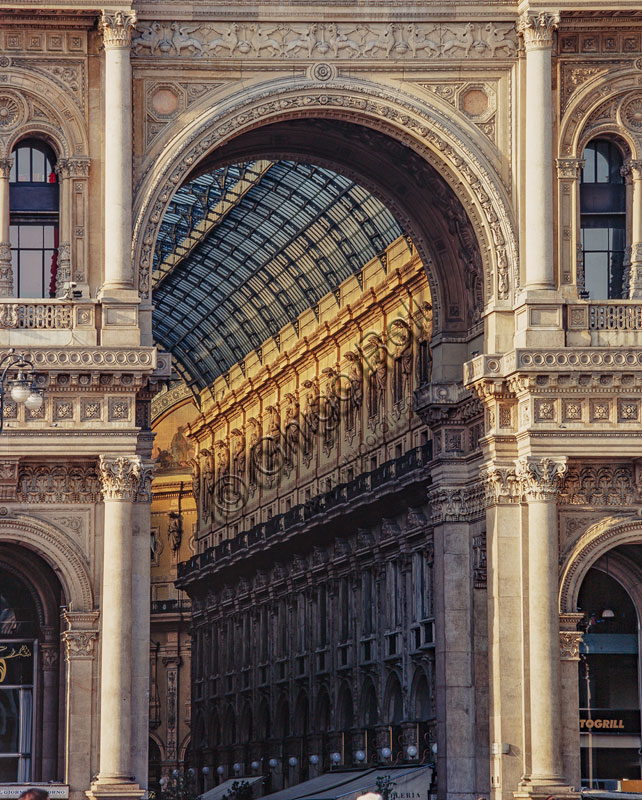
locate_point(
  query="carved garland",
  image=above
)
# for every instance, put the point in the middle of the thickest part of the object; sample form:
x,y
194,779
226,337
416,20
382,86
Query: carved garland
x,y
431,134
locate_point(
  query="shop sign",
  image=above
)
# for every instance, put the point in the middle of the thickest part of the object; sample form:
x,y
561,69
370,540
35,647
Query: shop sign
x,y
56,791
603,720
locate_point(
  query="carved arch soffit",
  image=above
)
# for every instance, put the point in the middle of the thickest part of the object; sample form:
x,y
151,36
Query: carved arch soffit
x,y
420,126
54,546
594,543
46,110
585,109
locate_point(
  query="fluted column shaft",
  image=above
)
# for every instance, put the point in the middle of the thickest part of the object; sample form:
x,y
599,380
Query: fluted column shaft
x,y
635,168
141,618
540,483
120,480
7,289
116,29
537,32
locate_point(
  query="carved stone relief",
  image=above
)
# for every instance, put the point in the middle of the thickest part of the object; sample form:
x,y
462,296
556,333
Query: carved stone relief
x,y
327,40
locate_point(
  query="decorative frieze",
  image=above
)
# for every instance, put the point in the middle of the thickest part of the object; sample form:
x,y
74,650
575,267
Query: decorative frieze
x,y
61,483
480,571
598,485
327,40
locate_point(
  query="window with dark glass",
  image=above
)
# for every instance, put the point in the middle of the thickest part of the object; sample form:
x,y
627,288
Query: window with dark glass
x,y
603,220
33,232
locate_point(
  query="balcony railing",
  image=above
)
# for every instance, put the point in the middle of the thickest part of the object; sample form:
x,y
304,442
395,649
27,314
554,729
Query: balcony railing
x,y
340,495
35,314
615,316
170,606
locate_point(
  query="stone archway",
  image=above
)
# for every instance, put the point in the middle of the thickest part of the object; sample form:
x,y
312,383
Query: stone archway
x,y
592,545
424,129
54,546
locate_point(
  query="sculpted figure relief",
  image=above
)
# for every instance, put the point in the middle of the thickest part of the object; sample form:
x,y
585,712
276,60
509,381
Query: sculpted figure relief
x,y
327,40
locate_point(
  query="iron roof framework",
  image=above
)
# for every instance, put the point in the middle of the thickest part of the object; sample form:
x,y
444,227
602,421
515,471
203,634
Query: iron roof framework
x,y
245,249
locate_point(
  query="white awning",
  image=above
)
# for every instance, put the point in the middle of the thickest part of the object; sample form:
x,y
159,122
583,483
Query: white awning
x,y
411,783
223,788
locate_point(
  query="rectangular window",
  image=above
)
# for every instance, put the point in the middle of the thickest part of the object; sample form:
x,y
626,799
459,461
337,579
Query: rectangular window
x,y
32,257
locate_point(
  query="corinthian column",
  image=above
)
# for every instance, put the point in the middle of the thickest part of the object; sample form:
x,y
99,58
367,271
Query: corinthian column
x,y
6,270
116,28
537,32
634,169
540,482
141,562
120,477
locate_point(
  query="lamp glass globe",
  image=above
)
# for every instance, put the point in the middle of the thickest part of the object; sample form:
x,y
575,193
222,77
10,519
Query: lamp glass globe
x,y
336,757
386,752
412,751
34,401
220,770
20,391
314,759
360,755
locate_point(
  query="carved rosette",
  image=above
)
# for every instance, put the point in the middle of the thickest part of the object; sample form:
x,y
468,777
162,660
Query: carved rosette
x,y
120,477
116,28
570,645
540,479
79,645
500,485
537,29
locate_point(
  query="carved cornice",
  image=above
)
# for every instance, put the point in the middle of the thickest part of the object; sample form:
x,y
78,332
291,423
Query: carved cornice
x,y
120,476
537,29
116,28
570,645
501,485
540,478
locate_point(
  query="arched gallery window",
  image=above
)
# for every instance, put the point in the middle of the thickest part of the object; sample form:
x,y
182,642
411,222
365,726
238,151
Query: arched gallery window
x,y
603,220
33,231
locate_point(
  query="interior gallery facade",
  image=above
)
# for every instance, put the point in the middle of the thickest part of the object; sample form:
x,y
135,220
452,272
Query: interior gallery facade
x,y
323,394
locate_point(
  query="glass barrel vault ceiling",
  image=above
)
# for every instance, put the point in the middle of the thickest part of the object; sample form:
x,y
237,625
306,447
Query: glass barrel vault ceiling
x,y
245,249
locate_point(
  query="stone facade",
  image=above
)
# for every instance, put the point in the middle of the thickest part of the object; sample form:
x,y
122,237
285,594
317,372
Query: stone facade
x,y
509,465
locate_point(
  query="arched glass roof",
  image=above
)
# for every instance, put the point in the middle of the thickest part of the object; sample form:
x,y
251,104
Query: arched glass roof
x,y
246,249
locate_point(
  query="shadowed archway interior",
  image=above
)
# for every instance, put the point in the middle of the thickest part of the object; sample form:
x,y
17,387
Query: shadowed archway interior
x,y
273,221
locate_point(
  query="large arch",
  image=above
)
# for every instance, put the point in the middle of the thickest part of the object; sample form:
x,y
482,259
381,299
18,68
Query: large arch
x,y
423,128
58,551
597,540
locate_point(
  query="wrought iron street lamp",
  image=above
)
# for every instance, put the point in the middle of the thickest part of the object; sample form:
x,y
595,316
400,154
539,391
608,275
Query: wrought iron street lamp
x,y
22,389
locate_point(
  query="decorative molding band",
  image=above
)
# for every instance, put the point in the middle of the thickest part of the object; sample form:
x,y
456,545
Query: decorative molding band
x,y
163,401
537,29
120,477
116,28
60,483
84,358
540,478
327,40
570,645
603,485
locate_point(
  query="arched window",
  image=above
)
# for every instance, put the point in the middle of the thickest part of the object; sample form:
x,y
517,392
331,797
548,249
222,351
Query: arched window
x,y
603,220
33,232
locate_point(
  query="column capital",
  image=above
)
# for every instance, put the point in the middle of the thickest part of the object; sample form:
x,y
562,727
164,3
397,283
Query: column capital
x,y
570,645
569,168
540,477
79,644
72,167
120,477
500,484
537,29
5,167
116,28
144,491
632,169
